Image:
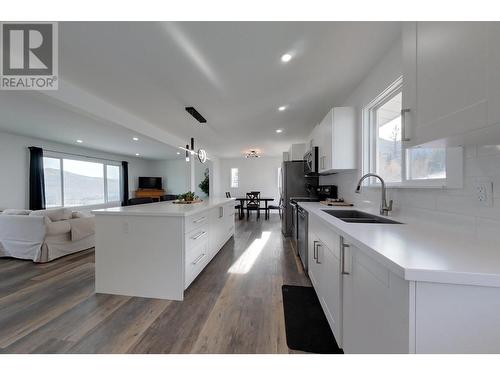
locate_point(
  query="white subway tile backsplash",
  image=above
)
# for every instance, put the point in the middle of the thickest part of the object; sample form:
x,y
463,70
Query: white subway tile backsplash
x,y
470,151
488,231
456,208
482,166
488,150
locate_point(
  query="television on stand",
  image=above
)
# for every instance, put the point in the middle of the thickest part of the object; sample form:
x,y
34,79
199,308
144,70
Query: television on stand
x,y
150,183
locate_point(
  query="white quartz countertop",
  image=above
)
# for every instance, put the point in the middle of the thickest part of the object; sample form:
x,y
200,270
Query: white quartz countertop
x,y
419,251
164,208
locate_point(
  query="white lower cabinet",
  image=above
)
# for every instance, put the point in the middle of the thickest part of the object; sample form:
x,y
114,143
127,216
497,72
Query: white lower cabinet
x,y
371,309
208,233
366,305
324,272
375,307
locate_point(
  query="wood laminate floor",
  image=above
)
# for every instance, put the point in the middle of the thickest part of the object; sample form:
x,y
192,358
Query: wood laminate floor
x,y
234,306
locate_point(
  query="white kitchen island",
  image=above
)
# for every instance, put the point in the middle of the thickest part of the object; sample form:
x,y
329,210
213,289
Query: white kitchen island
x,y
156,250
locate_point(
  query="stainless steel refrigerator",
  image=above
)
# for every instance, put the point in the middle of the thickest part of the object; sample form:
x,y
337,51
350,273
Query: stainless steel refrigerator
x,y
294,184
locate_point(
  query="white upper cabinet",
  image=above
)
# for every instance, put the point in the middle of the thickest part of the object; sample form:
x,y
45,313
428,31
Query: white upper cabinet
x,y
451,81
336,138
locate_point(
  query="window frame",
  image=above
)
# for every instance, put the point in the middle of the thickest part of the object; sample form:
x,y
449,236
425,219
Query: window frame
x,y
237,185
61,156
369,148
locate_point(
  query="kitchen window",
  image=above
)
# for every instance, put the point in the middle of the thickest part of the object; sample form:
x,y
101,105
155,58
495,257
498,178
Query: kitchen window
x,y
76,182
234,178
385,154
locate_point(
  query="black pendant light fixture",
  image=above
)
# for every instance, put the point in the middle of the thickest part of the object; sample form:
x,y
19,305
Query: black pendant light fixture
x,y
202,154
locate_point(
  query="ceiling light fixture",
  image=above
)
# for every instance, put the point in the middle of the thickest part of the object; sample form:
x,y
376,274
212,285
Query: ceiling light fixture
x,y
252,154
279,131
135,139
282,108
79,141
286,57
178,153
136,154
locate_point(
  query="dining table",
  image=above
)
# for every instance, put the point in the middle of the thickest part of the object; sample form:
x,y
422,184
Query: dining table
x,y
266,201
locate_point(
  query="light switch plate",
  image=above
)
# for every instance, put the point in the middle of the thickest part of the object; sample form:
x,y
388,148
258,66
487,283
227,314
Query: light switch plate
x,y
484,193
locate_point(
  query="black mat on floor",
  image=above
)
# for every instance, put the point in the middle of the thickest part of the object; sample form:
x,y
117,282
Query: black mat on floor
x,y
306,326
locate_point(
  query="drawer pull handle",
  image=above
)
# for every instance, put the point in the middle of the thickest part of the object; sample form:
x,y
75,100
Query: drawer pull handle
x,y
199,235
198,260
318,245
199,220
343,247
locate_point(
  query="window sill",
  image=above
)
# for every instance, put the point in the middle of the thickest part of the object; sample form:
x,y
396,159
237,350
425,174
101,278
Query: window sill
x,y
424,184
89,207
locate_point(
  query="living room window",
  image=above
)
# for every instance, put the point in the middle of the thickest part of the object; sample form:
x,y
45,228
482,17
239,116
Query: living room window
x,y
385,154
74,182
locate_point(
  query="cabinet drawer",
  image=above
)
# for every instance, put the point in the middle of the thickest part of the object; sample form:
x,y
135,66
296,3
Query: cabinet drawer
x,y
326,235
197,236
196,260
195,221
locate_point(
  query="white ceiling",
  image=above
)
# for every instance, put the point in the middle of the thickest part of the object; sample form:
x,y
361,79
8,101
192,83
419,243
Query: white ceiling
x,y
230,72
35,115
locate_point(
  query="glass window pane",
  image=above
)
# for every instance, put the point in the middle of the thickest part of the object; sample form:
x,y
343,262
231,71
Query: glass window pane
x,y
388,141
113,183
52,172
234,177
83,183
426,163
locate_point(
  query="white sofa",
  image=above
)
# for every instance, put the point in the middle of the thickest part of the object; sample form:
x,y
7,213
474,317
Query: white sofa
x,y
45,235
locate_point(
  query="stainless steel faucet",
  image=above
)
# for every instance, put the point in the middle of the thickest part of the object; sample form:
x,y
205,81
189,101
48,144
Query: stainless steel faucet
x,y
384,207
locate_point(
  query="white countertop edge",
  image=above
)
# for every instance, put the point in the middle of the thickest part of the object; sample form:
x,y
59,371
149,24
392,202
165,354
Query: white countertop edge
x,y
152,209
450,277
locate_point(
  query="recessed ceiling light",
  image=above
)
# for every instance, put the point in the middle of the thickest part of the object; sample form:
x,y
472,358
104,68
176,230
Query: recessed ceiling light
x,y
178,153
79,141
135,139
279,130
137,154
282,108
286,57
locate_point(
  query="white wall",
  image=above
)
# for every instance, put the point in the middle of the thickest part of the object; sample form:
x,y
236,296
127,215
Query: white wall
x,y
260,174
455,207
14,166
175,173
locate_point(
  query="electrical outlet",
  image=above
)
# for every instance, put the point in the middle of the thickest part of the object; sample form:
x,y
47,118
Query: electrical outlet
x,y
484,193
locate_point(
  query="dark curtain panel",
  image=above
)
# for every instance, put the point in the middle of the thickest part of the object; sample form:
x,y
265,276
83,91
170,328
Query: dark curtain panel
x,y
37,179
125,182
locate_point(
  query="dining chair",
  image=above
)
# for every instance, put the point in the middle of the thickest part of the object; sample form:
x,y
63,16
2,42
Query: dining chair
x,y
278,207
236,206
253,203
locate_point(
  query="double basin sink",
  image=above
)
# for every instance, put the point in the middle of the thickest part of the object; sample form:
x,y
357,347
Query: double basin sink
x,y
353,216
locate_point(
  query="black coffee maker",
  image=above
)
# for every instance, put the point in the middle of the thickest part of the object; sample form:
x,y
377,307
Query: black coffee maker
x,y
326,191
